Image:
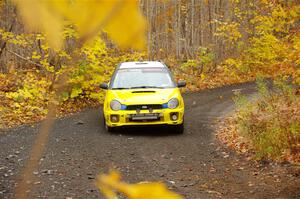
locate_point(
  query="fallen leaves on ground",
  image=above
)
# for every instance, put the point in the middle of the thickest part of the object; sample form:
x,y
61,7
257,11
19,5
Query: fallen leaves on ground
x,y
228,132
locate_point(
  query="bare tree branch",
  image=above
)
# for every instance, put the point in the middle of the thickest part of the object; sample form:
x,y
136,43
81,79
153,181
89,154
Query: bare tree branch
x,y
26,59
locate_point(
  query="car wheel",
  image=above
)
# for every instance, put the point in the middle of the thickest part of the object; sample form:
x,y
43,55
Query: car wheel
x,y
108,128
178,129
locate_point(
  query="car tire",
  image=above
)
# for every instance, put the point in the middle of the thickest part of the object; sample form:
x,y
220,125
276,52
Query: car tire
x,y
108,128
178,129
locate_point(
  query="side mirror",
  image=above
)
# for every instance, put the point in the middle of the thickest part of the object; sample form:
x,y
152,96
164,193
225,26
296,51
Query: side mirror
x,y
181,84
104,86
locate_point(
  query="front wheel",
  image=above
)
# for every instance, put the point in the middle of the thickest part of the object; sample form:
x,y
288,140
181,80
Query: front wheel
x,y
108,128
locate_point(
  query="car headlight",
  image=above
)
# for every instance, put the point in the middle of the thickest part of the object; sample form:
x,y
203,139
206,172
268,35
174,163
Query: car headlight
x,y
115,105
173,103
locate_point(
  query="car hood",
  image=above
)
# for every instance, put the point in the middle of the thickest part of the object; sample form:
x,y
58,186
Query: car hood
x,y
144,96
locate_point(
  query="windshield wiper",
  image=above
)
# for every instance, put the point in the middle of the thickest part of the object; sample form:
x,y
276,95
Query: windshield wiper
x,y
145,87
119,88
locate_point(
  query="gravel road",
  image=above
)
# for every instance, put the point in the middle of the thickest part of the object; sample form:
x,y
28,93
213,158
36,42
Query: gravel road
x,y
193,164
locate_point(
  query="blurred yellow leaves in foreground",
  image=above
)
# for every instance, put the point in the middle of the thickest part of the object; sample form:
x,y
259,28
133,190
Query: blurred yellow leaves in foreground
x,y
120,19
110,184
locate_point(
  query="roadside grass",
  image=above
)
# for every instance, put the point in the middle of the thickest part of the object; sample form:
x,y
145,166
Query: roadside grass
x,y
268,126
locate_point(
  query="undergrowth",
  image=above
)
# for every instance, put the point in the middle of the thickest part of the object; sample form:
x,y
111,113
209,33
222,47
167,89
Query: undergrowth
x,y
25,94
272,122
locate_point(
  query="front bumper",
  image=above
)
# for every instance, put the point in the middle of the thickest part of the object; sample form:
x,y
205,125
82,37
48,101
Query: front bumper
x,y
125,117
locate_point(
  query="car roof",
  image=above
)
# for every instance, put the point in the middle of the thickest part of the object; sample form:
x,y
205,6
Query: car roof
x,y
143,64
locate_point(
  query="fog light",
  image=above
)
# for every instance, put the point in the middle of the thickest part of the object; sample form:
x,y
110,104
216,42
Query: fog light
x,y
114,118
174,116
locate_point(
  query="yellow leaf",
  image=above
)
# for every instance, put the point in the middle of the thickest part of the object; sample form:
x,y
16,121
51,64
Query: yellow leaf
x,y
121,19
35,55
39,15
108,183
202,76
128,28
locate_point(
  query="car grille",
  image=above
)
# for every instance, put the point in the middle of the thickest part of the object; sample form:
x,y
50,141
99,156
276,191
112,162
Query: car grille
x,y
144,107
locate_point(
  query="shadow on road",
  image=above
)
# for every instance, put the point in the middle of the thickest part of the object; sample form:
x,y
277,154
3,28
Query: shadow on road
x,y
146,131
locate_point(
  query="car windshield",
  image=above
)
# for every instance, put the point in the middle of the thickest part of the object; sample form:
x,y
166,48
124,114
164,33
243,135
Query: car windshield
x,y
142,78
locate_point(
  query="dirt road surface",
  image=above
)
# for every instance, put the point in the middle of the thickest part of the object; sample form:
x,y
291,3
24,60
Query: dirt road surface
x,y
193,164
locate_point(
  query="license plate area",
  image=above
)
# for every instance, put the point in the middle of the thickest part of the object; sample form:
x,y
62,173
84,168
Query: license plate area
x,y
144,116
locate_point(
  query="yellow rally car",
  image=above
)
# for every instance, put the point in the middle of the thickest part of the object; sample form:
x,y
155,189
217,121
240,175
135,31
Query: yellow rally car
x,y
143,93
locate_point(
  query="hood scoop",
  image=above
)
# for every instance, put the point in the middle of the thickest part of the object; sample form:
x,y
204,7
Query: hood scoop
x,y
141,91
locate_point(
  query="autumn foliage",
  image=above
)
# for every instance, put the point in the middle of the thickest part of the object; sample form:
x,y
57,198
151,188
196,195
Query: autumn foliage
x,y
269,125
268,45
26,93
64,60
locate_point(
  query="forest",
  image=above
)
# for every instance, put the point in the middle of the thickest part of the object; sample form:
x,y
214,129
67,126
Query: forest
x,y
53,59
